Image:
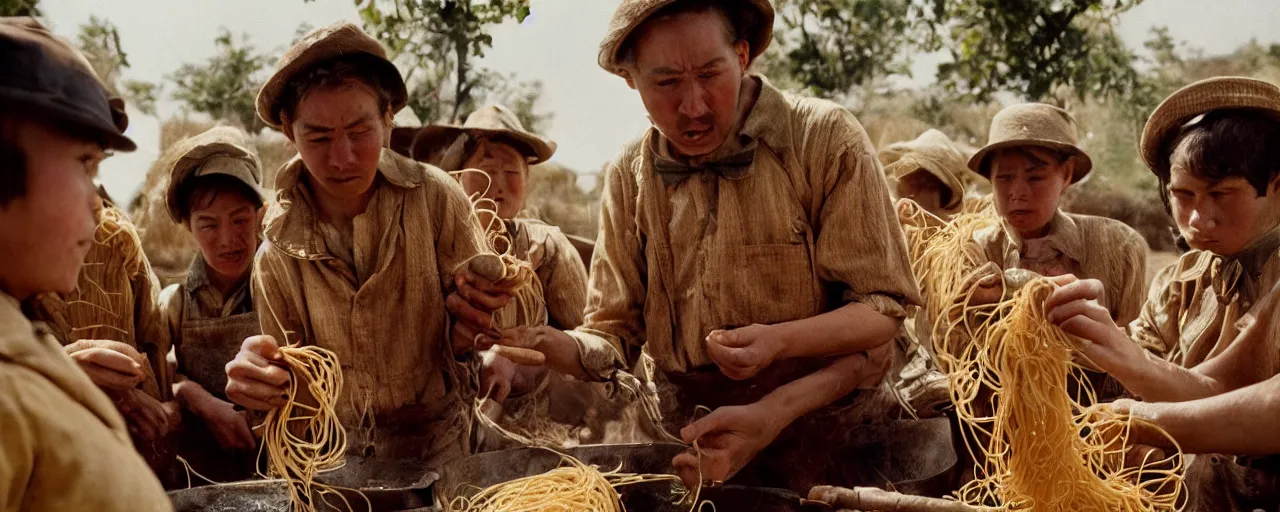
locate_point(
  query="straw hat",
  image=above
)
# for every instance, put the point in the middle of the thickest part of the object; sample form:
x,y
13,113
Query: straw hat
x,y
1033,124
443,144
320,45
933,152
220,150
633,13
47,77
1192,101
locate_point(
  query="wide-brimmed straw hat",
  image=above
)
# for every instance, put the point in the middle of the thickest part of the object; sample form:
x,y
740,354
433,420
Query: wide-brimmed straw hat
x,y
321,45
633,13
1197,99
932,152
221,150
443,144
48,78
1036,125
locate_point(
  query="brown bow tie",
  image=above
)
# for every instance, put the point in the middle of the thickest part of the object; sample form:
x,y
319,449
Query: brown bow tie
x,y
1229,282
733,167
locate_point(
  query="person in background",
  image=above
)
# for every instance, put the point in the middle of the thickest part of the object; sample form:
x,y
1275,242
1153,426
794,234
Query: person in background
x,y
365,251
214,191
1215,147
65,446
927,170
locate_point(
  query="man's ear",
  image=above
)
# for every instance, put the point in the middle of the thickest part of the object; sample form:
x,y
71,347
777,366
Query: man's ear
x,y
743,51
286,127
631,82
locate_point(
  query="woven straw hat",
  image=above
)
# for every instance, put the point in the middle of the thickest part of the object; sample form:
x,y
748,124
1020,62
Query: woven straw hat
x,y
1181,107
320,45
47,77
220,150
442,144
633,13
1033,124
933,152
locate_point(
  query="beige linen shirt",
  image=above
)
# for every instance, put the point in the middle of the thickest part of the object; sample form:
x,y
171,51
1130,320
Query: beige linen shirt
x,y
64,447
807,229
384,316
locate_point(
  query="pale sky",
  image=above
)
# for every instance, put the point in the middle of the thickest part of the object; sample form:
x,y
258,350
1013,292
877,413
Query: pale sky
x,y
595,113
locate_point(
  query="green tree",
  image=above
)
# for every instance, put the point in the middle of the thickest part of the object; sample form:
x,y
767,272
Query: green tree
x,y
1030,47
19,8
99,41
225,86
835,45
438,43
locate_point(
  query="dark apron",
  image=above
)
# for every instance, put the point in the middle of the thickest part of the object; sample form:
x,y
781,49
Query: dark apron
x,y
207,346
855,441
1221,483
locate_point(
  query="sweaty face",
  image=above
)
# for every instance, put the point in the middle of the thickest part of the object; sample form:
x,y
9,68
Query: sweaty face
x,y
1027,185
505,174
340,132
225,225
923,188
1222,217
45,234
689,76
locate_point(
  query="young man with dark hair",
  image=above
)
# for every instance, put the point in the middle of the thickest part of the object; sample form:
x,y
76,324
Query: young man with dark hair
x,y
1215,145
65,446
214,190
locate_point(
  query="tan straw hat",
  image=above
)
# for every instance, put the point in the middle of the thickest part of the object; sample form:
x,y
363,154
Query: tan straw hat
x,y
220,150
932,152
1033,124
633,13
442,144
320,45
1192,101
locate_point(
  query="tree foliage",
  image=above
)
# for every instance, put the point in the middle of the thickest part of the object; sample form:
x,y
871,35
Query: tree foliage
x,y
438,43
225,86
835,45
99,41
20,8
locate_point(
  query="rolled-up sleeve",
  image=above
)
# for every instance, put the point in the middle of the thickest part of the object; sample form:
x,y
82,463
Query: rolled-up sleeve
x,y
860,246
612,335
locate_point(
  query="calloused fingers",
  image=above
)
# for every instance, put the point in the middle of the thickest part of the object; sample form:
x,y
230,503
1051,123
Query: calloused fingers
x,y
1088,289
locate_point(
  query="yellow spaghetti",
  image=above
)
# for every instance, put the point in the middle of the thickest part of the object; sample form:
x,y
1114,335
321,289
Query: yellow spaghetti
x,y
1036,447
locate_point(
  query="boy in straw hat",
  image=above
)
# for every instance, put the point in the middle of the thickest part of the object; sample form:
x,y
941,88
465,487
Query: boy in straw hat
x,y
214,191
362,258
749,246
65,446
1215,146
490,155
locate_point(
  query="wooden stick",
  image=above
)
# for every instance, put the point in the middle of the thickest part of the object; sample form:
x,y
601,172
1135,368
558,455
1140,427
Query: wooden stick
x,y
872,499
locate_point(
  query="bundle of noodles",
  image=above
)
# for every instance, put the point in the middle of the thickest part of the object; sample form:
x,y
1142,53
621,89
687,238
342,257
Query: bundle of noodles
x,y
304,436
104,305
572,487
1037,447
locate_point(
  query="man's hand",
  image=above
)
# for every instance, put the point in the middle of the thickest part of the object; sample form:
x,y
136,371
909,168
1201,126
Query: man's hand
x,y
471,305
229,426
111,365
253,380
147,418
497,374
1129,429
1077,307
743,353
989,282
728,438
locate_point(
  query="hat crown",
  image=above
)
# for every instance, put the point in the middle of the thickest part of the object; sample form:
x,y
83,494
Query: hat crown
x,y
494,117
630,14
1034,121
1197,99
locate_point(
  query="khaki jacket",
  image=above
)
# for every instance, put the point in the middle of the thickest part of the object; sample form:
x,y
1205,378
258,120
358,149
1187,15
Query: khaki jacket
x,y
1194,305
116,298
1091,248
807,229
558,267
384,316
64,447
